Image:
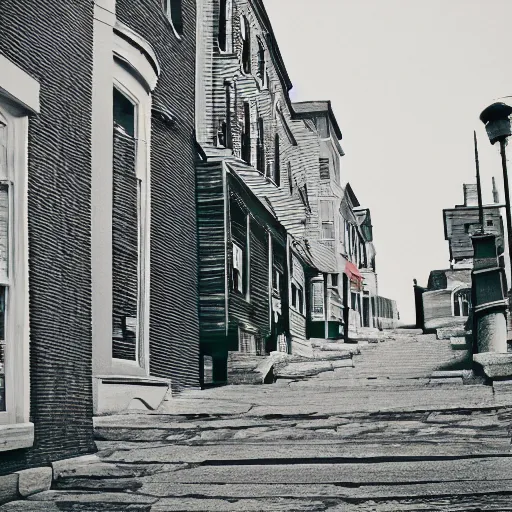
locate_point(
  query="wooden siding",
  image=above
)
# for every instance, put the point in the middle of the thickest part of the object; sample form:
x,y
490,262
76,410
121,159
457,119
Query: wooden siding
x,y
461,223
211,238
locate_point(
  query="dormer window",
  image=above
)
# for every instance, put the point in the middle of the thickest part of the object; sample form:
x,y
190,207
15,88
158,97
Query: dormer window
x,y
245,30
173,11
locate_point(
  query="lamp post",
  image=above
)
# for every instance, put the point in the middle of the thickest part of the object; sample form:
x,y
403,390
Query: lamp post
x,y
497,119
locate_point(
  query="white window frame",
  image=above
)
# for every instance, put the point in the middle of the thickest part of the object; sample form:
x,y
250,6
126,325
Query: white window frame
x,y
16,431
132,89
324,221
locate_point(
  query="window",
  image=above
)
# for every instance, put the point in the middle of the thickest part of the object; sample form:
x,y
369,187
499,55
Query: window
x,y
125,232
225,34
246,45
317,299
324,169
276,280
294,296
246,342
222,36
303,193
130,220
290,177
262,67
224,136
238,268
490,222
334,279
327,219
246,134
260,147
300,294
277,161
462,302
172,9
16,431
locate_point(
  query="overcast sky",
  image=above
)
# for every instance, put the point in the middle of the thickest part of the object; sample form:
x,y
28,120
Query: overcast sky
x,y
407,80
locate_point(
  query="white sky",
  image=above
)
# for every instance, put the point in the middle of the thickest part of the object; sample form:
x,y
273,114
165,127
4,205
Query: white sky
x,y
407,80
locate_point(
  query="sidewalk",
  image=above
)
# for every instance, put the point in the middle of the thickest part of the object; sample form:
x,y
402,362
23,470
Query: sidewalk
x,y
377,431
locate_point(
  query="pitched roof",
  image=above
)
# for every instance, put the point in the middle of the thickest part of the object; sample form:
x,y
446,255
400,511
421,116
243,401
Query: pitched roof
x,y
324,258
305,109
288,210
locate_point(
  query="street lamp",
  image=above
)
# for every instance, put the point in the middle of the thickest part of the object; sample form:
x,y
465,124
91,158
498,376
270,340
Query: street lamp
x,y
497,119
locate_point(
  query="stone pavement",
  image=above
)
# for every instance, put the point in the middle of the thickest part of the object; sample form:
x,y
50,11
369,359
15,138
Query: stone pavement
x,y
398,426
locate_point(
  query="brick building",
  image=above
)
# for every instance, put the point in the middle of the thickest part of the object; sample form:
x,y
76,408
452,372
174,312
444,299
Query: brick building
x,y
97,153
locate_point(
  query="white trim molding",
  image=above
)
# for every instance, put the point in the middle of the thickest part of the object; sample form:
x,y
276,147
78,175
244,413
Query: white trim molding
x,y
126,61
19,86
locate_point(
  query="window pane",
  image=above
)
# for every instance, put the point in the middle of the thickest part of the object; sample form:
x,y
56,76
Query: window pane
x,y
2,348
328,230
125,234
124,113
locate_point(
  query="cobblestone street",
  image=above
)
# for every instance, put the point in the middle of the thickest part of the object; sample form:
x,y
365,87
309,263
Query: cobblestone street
x,y
397,426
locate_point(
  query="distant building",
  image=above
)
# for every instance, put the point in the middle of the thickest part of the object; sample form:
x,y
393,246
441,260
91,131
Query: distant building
x,y
447,299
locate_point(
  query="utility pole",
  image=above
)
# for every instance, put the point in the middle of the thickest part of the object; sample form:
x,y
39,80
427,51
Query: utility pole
x,y
478,186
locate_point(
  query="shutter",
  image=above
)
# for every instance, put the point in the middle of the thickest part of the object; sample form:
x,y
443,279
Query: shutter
x,y
324,169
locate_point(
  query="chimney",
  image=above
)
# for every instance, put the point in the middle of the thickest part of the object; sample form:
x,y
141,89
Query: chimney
x,y
495,193
470,194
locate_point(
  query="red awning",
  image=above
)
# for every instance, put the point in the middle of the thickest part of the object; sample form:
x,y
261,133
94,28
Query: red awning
x,y
353,272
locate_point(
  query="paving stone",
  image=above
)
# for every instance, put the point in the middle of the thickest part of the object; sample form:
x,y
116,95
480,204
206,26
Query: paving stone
x,y
349,474
92,497
34,480
495,364
319,491
242,505
8,488
302,370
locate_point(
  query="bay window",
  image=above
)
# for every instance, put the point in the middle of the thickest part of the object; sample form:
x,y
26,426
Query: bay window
x,y
23,91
